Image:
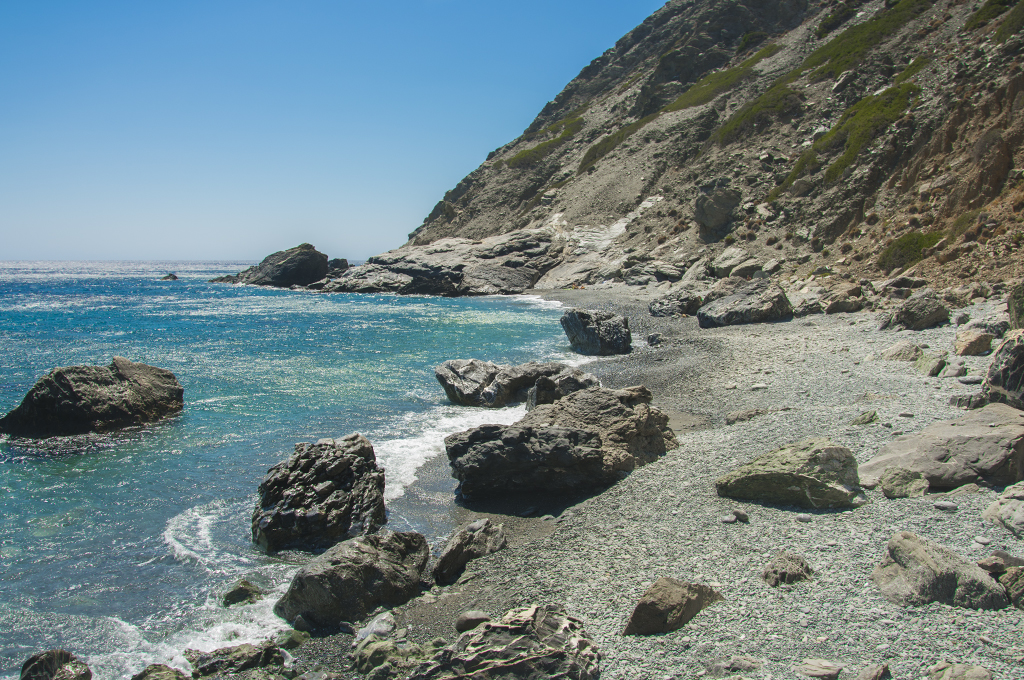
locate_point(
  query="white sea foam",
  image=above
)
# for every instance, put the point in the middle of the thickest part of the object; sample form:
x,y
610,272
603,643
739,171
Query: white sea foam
x,y
189,535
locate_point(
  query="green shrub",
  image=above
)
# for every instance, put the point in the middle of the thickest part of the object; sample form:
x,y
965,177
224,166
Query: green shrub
x,y
714,84
565,129
912,70
752,39
962,223
989,11
606,145
906,250
1011,24
834,20
778,100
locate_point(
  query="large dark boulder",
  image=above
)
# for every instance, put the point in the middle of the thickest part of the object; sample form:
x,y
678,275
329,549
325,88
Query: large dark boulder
x,y
55,664
81,399
323,494
232,660
298,266
1015,306
472,382
715,210
535,642
736,301
355,577
549,390
668,605
1004,382
597,333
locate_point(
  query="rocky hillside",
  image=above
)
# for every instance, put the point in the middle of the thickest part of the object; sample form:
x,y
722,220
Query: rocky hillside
x,y
848,138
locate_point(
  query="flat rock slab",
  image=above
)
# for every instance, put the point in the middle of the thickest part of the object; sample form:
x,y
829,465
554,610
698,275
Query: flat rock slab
x,y
355,577
82,399
1004,382
904,350
986,445
668,604
534,642
915,571
814,473
736,301
322,494
1007,511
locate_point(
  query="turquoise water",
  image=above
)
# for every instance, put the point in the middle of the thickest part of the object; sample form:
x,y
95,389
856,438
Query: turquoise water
x,y
116,546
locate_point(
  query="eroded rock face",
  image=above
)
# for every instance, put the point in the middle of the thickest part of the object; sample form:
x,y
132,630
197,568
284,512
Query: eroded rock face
x,y
1004,382
597,333
81,399
298,266
355,577
55,664
813,473
957,452
471,382
915,571
324,493
550,390
477,539
535,642
736,301
923,309
668,605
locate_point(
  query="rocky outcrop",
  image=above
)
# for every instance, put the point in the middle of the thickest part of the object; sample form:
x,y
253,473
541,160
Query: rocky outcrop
x,y
241,592
985,446
472,382
159,671
476,539
597,333
814,473
503,264
534,642
298,266
355,577
786,567
55,664
231,660
1004,382
1007,511
324,493
550,390
668,605
735,301
81,399
915,571
924,309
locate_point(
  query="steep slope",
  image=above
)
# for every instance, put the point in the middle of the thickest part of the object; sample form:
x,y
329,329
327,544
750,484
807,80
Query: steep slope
x,y
815,136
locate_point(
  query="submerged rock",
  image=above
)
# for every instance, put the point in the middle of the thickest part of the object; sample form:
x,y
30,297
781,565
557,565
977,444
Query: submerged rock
x,y
81,399
324,493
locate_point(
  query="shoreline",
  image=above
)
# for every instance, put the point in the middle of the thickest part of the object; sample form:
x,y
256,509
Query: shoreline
x,y
596,555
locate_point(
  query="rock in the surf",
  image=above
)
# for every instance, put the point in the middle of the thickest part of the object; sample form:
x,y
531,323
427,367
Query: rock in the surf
x,y
324,493
159,671
231,660
298,266
597,333
55,664
355,577
81,399
476,539
472,382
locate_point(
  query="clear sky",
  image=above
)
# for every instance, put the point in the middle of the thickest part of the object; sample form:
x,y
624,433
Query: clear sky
x,y
221,129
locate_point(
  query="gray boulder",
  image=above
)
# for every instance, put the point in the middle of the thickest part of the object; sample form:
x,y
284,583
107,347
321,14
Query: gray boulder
x,y
298,266
931,363
846,298
476,539
786,567
915,571
715,210
730,258
1004,382
534,642
813,473
1015,306
924,309
985,446
946,670
55,664
899,482
904,350
81,399
549,390
355,577
995,325
597,333
668,605
324,493
735,301
471,382
1007,511
682,302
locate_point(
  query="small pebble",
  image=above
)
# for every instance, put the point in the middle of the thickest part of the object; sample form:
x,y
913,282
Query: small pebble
x,y
731,386
945,505
970,380
727,519
758,386
984,540
804,517
741,515
906,415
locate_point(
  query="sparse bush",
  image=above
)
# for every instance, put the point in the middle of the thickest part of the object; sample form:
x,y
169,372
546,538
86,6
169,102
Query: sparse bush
x,y
751,39
1011,24
906,250
962,223
989,11
565,129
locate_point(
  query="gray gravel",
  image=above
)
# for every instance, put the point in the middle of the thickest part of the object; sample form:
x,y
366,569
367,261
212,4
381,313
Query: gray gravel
x,y
598,556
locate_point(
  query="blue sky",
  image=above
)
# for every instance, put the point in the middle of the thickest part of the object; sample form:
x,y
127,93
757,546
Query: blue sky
x,y
221,129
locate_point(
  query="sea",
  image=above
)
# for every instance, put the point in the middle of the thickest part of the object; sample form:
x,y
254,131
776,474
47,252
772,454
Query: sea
x,y
118,547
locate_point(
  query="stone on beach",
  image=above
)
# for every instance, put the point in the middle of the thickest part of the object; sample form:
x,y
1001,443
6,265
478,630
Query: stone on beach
x,y
904,350
986,445
668,605
322,494
549,390
813,473
472,382
81,399
355,577
972,343
1007,511
958,671
819,668
915,571
737,301
897,482
924,309
597,333
786,567
476,539
231,660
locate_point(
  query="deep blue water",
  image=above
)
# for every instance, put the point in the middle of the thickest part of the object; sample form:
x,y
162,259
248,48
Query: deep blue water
x,y
116,546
